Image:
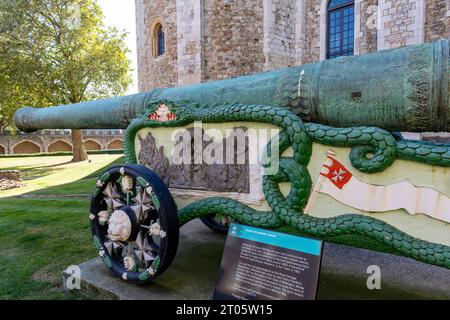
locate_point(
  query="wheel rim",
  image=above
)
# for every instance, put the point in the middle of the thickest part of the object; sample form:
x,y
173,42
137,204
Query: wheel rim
x,y
134,222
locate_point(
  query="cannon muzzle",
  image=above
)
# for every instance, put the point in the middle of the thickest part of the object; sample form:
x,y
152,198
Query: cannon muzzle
x,y
100,114
405,89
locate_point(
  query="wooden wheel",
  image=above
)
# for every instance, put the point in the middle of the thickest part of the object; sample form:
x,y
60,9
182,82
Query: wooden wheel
x,y
134,222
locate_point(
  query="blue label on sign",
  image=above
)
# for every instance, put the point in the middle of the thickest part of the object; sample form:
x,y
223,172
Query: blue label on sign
x,y
278,239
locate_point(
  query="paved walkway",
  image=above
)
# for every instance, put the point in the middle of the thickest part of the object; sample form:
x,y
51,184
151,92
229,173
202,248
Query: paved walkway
x,y
343,274
53,196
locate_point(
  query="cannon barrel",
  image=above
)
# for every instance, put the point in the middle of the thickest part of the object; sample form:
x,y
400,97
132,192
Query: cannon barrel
x,y
404,89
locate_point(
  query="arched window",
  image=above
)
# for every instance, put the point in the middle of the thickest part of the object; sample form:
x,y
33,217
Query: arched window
x,y
340,28
92,145
158,40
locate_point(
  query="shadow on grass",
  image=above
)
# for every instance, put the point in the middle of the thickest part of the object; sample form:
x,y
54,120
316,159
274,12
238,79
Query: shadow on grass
x,y
34,166
34,173
97,173
43,236
29,172
82,186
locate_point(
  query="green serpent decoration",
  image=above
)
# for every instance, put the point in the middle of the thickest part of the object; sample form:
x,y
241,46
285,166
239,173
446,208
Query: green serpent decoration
x,y
381,144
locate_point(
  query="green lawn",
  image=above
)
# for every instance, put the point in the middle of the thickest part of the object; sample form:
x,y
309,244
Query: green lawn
x,y
54,171
40,237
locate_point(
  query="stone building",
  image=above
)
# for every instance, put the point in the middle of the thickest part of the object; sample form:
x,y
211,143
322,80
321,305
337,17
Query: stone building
x,y
182,42
59,140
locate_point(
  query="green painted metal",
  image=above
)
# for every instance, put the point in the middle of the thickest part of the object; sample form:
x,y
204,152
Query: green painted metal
x,y
405,89
299,135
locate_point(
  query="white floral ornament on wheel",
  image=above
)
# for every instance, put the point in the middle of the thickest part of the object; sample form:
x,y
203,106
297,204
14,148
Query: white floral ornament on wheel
x,y
225,221
155,230
129,263
127,183
103,217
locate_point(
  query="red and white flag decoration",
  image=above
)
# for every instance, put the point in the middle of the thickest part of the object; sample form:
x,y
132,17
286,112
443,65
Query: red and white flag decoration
x,y
338,182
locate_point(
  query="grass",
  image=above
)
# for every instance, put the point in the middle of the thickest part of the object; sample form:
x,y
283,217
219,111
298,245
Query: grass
x,y
40,237
38,243
55,171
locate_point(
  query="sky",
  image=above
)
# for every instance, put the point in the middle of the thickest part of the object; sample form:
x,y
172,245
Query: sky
x,y
121,14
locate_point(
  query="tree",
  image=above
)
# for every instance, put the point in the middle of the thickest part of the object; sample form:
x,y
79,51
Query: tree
x,y
16,88
57,52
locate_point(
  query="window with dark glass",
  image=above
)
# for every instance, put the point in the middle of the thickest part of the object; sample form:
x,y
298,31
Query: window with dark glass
x,y
340,28
158,40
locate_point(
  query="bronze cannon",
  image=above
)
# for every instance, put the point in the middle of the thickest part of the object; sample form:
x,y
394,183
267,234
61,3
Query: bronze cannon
x,y
328,122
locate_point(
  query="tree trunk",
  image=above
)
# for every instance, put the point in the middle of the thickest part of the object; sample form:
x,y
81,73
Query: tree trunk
x,y
79,151
2,126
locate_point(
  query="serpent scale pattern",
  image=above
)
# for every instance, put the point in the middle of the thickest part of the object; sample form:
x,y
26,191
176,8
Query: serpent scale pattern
x,y
380,144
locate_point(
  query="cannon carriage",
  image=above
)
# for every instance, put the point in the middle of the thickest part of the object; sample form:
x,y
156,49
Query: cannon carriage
x,y
255,149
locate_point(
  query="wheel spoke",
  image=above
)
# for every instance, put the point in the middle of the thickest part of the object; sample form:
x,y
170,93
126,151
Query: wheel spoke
x,y
142,204
154,246
144,249
113,198
114,248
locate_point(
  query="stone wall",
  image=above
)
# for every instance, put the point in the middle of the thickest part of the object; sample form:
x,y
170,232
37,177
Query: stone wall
x,y
217,39
233,38
311,51
401,23
279,33
59,140
156,72
190,40
437,20
366,15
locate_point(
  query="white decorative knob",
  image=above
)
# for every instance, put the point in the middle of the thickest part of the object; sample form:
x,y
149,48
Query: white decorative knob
x,y
129,263
103,217
127,184
119,228
155,229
